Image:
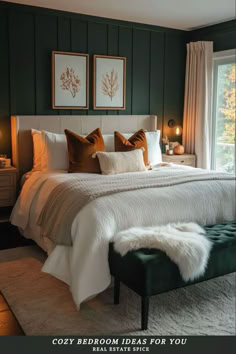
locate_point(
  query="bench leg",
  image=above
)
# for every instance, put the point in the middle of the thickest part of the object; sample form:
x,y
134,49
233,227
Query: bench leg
x,y
144,316
117,291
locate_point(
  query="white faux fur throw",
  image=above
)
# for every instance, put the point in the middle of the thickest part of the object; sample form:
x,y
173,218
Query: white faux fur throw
x,y
184,243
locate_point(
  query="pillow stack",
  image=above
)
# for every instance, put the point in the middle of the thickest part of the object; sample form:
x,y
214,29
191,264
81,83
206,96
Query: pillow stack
x,y
95,153
153,142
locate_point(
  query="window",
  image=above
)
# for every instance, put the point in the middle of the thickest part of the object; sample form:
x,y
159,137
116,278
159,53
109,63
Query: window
x,y
224,112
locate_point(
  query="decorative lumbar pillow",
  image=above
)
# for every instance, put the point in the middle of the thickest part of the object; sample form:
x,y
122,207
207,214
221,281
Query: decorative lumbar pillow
x,y
120,162
81,149
136,141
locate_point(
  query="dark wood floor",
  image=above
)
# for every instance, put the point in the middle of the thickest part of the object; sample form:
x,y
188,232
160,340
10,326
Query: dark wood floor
x,y
8,322
9,238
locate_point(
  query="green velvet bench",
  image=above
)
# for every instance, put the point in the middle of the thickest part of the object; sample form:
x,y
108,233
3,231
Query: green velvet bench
x,y
150,272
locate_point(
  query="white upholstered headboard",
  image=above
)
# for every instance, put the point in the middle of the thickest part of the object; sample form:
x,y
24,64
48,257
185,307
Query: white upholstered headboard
x,y
22,148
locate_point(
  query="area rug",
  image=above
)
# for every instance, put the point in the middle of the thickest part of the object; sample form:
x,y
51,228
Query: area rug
x,y
43,305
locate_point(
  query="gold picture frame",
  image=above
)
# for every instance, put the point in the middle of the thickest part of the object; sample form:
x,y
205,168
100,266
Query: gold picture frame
x,y
70,80
109,82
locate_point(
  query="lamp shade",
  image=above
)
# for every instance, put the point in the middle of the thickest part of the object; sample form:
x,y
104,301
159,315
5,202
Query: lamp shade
x,y
178,130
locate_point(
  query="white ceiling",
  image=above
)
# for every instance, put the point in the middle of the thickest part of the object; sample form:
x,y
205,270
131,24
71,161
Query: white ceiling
x,y
181,14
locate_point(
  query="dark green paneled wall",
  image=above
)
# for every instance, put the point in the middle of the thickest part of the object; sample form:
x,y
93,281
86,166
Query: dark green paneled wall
x,y
223,35
155,62
5,85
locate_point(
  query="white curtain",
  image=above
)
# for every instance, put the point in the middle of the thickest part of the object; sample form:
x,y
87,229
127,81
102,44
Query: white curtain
x,y
198,102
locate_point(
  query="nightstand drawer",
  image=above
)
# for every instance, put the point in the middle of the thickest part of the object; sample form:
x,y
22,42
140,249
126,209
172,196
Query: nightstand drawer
x,y
185,159
7,180
7,186
7,197
6,194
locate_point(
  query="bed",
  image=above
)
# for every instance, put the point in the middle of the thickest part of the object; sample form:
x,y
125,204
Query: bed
x,y
180,193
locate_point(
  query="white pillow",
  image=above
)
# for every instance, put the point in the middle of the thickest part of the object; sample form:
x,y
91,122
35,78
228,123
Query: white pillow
x,y
109,142
120,162
153,141
37,149
55,154
154,150
50,151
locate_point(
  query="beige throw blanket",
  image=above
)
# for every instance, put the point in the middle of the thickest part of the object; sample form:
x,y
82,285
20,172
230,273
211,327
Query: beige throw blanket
x,y
68,198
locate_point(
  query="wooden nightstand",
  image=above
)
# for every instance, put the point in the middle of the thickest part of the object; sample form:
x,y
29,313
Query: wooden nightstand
x,y
7,186
185,159
10,236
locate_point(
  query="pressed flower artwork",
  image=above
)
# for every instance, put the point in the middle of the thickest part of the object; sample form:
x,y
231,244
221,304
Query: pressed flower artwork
x,y
110,84
109,80
69,80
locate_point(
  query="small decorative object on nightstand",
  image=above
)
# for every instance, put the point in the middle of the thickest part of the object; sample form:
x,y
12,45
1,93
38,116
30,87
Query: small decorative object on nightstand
x,y
179,150
7,186
4,161
185,159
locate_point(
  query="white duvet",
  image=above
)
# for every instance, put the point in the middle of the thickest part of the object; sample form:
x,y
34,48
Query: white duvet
x,y
84,266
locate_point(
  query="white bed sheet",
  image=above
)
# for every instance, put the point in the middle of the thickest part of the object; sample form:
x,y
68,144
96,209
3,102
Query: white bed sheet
x,y
84,266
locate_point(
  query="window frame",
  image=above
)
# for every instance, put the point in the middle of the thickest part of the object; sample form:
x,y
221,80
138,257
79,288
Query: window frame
x,y
219,58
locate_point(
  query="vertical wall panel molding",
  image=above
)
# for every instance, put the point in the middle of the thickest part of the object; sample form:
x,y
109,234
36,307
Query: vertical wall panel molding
x,y
132,71
5,85
22,63
150,69
64,44
157,76
112,47
141,50
97,44
64,35
113,40
125,50
79,44
155,61
174,81
46,42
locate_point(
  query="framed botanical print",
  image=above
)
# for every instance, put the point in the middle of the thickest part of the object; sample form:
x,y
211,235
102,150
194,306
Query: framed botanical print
x,y
70,80
109,82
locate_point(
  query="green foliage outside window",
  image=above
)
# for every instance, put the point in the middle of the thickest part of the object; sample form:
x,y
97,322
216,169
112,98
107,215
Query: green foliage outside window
x,y
226,118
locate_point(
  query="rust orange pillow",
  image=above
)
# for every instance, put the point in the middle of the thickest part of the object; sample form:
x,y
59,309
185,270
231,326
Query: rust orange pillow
x,y
80,151
136,141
